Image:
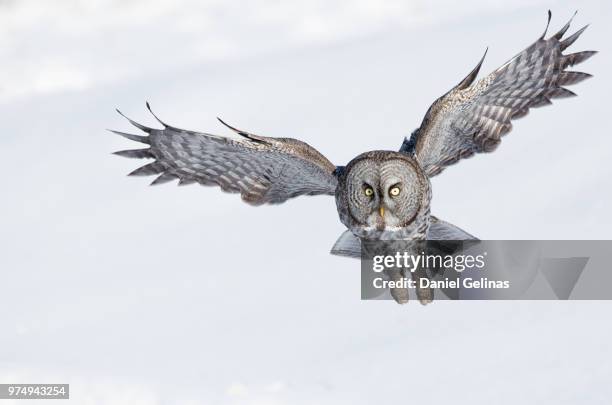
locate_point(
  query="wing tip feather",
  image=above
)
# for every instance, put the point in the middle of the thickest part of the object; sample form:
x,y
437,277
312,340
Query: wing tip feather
x,y
469,79
132,137
547,24
135,153
568,78
148,169
564,29
156,117
567,42
248,135
163,178
236,130
136,124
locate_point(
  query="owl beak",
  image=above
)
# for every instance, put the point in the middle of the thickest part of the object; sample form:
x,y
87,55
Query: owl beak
x,y
382,211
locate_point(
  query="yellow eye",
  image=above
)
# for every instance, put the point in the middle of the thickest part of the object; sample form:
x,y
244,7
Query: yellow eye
x,y
394,191
369,191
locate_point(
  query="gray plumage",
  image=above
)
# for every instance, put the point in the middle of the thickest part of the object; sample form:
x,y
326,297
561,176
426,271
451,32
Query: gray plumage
x,y
472,117
404,215
349,245
261,169
380,195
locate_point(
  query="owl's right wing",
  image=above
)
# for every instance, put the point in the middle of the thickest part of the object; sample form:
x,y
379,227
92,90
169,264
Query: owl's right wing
x,y
262,169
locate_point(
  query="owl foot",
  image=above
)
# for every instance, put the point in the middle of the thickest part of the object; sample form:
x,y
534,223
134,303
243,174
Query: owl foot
x,y
400,295
425,295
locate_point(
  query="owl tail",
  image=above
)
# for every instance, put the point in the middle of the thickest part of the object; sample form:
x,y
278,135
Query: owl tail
x,y
349,245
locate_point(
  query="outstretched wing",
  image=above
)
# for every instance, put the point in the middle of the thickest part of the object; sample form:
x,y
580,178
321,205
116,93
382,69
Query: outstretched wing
x,y
472,117
262,169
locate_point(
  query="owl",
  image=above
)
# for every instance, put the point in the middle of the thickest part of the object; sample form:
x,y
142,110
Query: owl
x,y
380,195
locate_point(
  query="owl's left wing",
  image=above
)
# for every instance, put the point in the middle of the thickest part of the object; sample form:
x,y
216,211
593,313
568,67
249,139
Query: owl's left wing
x,y
472,117
262,169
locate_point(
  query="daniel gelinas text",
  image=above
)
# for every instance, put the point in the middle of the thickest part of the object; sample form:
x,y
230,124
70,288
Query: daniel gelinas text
x,y
411,262
467,282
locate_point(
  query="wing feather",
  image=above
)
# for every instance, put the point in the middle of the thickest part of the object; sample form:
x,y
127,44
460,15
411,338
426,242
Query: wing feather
x,y
262,169
472,117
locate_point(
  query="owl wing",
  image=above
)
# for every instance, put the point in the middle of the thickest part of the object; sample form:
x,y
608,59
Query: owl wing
x,y
262,169
472,117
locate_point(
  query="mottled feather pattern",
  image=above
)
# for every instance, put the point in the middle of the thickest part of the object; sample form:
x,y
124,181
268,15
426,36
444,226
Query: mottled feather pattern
x,y
261,169
380,195
472,118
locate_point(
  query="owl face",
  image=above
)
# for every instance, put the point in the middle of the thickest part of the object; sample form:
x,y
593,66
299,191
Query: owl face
x,y
383,195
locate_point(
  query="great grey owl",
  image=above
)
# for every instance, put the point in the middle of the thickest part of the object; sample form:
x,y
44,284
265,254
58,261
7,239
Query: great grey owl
x,y
380,194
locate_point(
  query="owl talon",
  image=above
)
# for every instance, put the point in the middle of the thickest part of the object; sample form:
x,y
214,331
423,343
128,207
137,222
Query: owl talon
x,y
425,300
400,295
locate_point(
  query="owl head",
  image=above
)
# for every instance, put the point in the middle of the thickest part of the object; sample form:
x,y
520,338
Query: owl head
x,y
384,195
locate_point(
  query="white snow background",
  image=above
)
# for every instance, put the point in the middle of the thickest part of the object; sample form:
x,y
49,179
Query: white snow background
x,y
165,295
